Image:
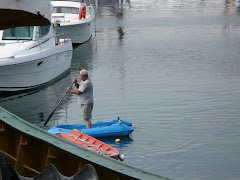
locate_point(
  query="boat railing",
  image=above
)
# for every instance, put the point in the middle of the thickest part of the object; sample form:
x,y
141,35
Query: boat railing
x,y
57,19
57,22
58,39
42,40
61,18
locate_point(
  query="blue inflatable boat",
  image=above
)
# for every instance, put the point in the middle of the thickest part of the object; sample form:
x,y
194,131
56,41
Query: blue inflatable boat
x,y
99,129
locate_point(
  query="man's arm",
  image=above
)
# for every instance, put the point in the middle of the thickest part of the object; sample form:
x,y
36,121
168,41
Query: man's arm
x,y
73,91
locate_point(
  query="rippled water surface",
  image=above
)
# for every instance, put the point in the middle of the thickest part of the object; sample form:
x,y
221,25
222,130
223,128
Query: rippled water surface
x,y
172,68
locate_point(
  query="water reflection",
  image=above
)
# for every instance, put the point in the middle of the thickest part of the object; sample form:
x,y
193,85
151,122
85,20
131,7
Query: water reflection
x,y
190,96
36,106
229,7
229,28
121,33
237,3
113,7
82,57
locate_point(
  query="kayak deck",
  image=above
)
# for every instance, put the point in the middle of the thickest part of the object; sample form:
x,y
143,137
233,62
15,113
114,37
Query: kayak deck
x,y
99,129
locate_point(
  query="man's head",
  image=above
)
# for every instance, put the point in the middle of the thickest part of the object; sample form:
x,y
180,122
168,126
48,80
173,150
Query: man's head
x,y
83,74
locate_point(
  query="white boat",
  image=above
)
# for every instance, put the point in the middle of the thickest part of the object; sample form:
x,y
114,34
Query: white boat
x,y
16,13
30,57
70,18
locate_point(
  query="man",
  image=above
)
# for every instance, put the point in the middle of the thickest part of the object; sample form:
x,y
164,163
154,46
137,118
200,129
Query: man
x,y
84,94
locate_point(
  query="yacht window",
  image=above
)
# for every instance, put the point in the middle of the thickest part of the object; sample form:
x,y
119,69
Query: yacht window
x,y
44,30
18,33
69,10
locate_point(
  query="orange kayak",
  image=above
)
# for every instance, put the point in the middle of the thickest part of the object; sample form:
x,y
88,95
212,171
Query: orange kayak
x,y
91,143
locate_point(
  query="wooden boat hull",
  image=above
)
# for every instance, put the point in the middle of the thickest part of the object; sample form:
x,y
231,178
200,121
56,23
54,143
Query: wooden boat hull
x,y
30,149
91,143
50,172
99,129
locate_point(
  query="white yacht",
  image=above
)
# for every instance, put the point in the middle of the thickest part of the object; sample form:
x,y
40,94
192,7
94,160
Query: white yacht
x,y
73,19
31,56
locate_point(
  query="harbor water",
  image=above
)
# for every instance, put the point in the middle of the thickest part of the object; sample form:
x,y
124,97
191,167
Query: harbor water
x,y
170,67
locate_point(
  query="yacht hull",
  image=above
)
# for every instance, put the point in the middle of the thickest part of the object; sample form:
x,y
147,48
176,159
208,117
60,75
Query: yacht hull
x,y
39,68
78,32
